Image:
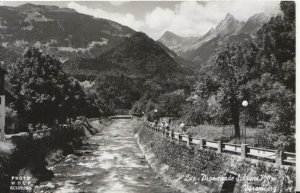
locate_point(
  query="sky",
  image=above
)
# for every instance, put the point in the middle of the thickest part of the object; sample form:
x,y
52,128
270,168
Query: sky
x,y
184,18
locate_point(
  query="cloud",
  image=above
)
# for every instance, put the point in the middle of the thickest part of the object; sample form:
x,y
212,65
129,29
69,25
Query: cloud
x,y
118,3
187,18
192,18
124,19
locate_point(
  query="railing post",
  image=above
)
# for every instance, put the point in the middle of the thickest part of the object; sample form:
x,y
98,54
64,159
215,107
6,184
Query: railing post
x,y
244,150
179,138
167,134
189,140
171,135
280,157
219,146
202,143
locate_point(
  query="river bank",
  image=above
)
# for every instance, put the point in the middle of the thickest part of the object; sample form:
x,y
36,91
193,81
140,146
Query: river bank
x,y
192,169
26,159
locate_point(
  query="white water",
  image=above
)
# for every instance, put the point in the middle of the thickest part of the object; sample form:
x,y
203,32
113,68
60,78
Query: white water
x,y
113,164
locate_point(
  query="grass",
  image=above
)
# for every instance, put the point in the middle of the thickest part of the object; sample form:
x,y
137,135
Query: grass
x,y
214,132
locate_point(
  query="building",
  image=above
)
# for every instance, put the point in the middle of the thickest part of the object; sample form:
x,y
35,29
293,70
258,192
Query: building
x,y
6,96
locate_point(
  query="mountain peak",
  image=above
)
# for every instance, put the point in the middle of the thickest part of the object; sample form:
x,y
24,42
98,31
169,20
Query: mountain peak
x,y
228,25
169,34
260,17
254,23
229,16
170,39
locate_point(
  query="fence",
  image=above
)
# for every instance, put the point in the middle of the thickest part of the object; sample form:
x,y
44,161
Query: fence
x,y
244,150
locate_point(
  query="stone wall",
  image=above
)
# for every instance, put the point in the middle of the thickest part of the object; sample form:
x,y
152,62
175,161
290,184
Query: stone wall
x,y
195,170
30,154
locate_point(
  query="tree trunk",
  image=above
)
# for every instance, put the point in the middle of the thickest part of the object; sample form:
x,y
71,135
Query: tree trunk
x,y
235,114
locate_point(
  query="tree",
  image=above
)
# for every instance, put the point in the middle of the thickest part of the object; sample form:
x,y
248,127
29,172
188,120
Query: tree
x,y
275,82
39,81
232,70
118,90
46,92
96,105
262,70
170,104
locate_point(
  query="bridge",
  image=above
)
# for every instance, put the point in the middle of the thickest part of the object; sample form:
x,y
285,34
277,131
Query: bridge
x,y
121,117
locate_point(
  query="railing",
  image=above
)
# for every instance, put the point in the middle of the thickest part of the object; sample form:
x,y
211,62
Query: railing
x,y
244,150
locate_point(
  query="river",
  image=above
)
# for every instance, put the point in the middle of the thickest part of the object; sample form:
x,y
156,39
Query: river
x,y
108,162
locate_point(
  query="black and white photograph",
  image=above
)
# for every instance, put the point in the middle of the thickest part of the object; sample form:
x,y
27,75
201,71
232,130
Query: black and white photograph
x,y
148,97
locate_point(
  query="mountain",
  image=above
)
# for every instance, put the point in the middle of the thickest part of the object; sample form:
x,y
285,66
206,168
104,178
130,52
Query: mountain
x,y
229,25
228,30
254,23
181,45
59,31
202,54
136,55
177,43
137,66
121,64
186,64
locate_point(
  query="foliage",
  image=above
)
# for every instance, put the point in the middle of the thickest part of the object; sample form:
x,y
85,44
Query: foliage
x,y
232,68
45,91
261,71
117,90
170,104
285,142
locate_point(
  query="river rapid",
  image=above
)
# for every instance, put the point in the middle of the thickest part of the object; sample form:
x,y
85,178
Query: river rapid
x,y
108,162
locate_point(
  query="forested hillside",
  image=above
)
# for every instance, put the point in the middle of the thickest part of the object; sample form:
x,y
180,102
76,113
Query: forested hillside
x,y
119,63
136,67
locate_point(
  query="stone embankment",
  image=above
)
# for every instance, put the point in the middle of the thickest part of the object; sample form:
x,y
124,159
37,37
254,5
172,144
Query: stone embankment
x,y
29,155
192,169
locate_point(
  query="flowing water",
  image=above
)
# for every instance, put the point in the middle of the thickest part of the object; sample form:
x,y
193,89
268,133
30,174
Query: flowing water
x,y
109,162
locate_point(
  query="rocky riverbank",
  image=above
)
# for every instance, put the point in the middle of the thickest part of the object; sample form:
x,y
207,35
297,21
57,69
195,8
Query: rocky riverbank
x,y
26,159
